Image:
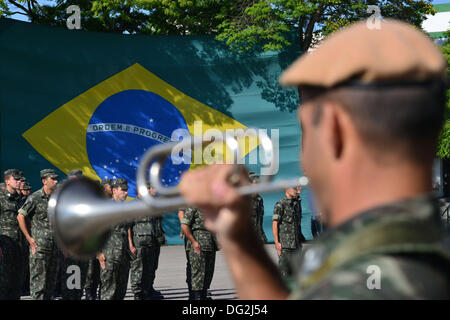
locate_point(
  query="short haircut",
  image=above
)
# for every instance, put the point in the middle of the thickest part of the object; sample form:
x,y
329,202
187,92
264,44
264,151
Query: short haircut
x,y
405,118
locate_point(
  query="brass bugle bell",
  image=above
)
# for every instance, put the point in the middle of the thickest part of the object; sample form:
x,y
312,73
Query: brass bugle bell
x,y
81,216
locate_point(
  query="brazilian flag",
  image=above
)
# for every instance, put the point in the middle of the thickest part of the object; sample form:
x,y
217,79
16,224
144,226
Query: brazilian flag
x,y
72,99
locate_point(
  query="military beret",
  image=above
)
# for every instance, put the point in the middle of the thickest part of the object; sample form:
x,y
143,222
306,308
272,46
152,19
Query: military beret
x,y
48,173
17,174
394,53
27,186
75,173
120,183
106,181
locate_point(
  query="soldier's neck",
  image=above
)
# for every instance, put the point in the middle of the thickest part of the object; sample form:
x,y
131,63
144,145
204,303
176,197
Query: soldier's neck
x,y
47,190
362,189
11,190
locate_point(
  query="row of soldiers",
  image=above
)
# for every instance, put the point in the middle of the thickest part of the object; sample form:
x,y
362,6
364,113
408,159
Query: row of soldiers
x,y
133,246
25,233
201,245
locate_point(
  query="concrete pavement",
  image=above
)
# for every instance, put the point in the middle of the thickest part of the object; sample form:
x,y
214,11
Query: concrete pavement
x,y
171,275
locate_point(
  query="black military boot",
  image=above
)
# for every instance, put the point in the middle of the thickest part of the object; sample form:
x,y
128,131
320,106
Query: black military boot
x,y
205,295
197,294
154,294
138,296
90,295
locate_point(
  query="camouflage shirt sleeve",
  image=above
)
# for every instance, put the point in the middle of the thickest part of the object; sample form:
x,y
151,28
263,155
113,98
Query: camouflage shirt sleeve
x,y
354,281
277,211
188,216
28,207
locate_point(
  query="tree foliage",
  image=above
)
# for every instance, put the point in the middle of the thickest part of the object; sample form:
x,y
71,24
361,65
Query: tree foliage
x,y
243,24
264,23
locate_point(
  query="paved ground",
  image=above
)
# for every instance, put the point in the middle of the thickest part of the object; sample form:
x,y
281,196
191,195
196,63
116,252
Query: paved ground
x,y
171,275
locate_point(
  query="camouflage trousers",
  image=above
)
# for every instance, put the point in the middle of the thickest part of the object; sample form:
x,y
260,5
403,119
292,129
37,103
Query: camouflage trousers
x,y
143,269
93,276
284,262
12,268
26,260
73,278
201,269
44,267
188,267
114,278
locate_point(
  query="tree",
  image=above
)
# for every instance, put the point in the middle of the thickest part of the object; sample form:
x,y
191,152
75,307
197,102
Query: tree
x,y
123,17
443,150
265,23
243,24
130,16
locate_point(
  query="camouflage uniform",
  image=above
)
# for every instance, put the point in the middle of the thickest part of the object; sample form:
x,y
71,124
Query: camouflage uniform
x,y
147,238
257,216
93,271
92,279
12,264
25,251
402,240
201,265
257,209
44,263
114,278
288,213
188,263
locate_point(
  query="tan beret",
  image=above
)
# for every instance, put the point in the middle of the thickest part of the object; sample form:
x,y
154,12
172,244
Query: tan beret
x,y
396,52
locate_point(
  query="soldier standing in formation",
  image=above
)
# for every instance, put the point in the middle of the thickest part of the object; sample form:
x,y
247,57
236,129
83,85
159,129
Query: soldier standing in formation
x,y
73,272
20,191
12,264
372,108
258,209
93,272
287,231
186,250
114,258
146,237
202,252
107,187
26,191
43,249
